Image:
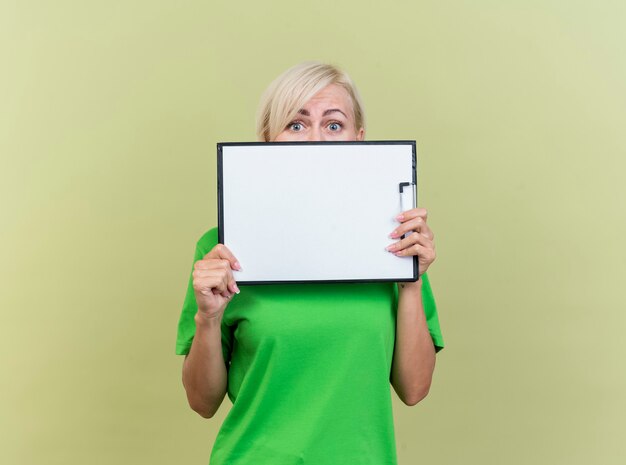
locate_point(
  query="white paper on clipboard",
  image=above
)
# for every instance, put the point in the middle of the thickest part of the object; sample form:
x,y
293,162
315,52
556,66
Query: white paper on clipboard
x,y
315,211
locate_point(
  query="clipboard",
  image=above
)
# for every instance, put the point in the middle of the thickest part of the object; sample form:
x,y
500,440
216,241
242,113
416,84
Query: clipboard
x,y
322,212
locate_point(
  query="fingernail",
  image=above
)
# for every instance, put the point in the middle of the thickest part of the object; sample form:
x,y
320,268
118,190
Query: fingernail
x,y
237,266
394,235
237,289
400,217
390,248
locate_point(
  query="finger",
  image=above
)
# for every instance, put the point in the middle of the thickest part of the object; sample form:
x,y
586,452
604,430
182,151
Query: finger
x,y
425,254
427,232
412,213
222,268
220,251
416,224
202,265
408,241
211,272
224,279
213,264
232,287
209,283
221,288
218,278
225,295
229,280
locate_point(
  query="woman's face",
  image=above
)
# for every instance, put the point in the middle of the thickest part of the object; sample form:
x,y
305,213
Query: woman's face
x,y
328,116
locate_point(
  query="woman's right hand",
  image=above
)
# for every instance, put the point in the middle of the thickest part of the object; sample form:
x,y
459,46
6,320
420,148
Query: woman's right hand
x,y
213,281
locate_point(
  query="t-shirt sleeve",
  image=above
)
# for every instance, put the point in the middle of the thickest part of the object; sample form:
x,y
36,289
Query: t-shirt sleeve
x,y
186,323
430,310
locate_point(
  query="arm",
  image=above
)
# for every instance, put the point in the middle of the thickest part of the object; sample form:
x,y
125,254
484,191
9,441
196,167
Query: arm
x,y
204,370
414,352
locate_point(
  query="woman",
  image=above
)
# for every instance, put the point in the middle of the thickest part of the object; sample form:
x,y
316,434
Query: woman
x,y
308,366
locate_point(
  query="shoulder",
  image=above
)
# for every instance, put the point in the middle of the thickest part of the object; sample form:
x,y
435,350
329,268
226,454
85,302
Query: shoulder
x,y
207,241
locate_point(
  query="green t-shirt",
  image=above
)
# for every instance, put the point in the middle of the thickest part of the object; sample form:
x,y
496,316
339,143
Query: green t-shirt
x,y
309,370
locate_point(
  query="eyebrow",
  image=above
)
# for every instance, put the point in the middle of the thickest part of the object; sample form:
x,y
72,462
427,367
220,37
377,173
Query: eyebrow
x,y
326,113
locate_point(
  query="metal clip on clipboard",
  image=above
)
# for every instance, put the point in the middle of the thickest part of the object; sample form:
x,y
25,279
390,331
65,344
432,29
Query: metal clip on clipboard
x,y
407,202
407,198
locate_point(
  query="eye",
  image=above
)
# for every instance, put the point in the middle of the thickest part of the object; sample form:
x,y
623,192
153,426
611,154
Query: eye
x,y
295,126
334,126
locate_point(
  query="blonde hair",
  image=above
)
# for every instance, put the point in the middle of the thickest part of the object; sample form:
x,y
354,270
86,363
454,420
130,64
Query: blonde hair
x,y
288,93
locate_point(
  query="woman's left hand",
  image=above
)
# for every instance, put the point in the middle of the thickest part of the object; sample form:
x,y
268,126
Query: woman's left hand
x,y
420,242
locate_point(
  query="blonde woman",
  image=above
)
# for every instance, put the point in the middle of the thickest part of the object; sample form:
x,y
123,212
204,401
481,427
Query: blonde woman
x,y
308,366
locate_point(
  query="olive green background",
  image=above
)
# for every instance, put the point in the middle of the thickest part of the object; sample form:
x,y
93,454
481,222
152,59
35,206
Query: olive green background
x,y
109,116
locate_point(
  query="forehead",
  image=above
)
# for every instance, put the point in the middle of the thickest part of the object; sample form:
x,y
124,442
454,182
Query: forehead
x,y
331,95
